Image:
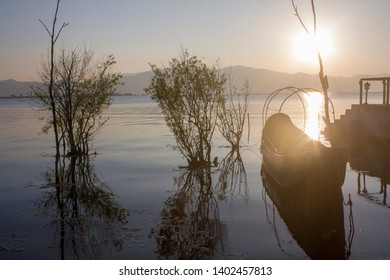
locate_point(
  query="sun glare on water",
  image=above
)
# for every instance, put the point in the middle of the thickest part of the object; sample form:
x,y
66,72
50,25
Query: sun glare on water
x,y
306,46
314,102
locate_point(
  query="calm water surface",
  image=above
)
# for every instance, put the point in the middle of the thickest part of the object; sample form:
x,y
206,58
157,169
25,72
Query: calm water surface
x,y
144,206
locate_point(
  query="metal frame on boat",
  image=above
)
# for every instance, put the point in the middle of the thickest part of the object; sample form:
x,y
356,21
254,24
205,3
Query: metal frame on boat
x,y
291,156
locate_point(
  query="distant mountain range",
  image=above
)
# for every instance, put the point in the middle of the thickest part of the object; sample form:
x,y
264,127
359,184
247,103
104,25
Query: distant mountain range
x,y
15,88
261,81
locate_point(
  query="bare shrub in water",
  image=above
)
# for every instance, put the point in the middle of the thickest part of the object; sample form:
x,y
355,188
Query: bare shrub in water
x,y
232,114
82,90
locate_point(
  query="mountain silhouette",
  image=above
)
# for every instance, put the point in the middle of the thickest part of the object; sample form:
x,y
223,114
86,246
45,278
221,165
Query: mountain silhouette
x,y
260,80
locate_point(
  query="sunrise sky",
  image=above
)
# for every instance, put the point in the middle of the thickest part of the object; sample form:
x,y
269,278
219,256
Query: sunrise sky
x,y
254,33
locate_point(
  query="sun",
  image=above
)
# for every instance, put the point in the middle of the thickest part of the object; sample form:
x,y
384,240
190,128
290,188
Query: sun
x,y
306,46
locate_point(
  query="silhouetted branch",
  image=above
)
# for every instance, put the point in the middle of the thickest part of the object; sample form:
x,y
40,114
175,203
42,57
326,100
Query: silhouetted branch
x,y
44,25
59,32
314,16
232,113
322,76
50,84
299,17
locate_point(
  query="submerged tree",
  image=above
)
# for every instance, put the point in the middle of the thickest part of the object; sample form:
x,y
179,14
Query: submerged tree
x,y
82,90
75,91
188,93
54,35
232,114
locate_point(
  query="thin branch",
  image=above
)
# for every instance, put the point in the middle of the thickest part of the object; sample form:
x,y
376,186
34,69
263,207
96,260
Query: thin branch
x,y
44,25
59,32
314,16
55,20
295,7
323,78
52,33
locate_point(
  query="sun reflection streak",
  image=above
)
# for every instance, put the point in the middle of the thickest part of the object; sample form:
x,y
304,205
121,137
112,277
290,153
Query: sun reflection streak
x,y
315,104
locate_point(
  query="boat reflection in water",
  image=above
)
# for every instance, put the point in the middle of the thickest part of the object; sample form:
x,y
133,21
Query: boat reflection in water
x,y
313,211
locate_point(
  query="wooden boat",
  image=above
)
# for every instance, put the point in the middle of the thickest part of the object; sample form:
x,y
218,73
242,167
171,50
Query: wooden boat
x,y
314,215
290,156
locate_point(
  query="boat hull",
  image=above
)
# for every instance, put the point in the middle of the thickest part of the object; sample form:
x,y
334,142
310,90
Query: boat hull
x,y
291,157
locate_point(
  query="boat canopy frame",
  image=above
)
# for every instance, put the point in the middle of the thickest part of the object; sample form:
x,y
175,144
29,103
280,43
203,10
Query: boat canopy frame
x,y
291,91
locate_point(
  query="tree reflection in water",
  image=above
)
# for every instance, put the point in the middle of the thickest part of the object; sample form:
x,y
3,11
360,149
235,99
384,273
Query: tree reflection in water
x,y
84,216
190,225
233,179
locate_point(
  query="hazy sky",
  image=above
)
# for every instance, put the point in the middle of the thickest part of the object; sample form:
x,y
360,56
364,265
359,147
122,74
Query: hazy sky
x,y
255,33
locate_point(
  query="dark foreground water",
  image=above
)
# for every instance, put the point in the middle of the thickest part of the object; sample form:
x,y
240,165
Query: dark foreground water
x,y
133,201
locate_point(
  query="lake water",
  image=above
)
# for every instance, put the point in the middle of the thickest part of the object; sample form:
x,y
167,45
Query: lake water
x,y
134,201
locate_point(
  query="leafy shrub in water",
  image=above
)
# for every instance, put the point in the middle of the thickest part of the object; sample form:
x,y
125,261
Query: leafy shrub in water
x,y
188,93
